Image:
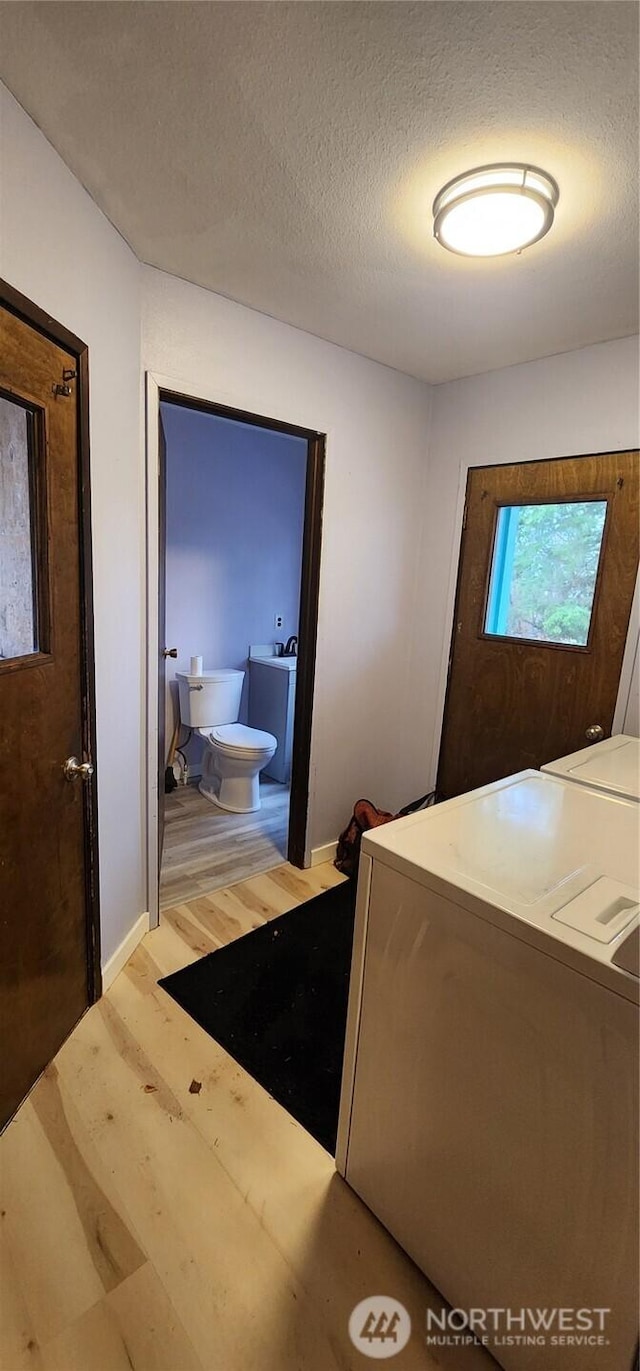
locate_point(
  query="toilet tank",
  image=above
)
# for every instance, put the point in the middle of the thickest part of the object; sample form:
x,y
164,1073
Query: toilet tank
x,y
210,699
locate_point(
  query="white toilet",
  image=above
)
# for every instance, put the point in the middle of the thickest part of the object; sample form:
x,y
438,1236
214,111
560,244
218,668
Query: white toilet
x,y
234,754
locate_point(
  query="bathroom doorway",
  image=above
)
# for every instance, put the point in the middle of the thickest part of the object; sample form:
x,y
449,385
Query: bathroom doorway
x,y
238,567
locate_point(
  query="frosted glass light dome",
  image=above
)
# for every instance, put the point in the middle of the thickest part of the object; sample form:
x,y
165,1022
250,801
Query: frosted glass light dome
x,y
495,210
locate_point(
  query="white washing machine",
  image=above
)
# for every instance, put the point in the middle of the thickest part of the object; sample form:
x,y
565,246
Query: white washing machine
x,y
489,1110
612,765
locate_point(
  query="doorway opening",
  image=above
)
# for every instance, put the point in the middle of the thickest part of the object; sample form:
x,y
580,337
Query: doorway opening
x,y
239,520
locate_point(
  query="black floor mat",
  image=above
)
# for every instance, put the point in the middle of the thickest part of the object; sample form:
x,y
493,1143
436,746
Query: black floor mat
x,y
276,1000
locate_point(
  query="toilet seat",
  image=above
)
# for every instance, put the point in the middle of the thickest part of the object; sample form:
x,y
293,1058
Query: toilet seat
x,y
240,739
222,739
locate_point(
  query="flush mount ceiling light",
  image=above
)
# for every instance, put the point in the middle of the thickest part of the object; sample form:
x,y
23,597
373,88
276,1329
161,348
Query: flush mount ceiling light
x,y
494,210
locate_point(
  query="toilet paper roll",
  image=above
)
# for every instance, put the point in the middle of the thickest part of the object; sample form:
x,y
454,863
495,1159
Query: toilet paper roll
x,y
196,666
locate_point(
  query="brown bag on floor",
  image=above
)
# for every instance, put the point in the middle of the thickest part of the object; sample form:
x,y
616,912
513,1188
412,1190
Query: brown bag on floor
x,y
365,815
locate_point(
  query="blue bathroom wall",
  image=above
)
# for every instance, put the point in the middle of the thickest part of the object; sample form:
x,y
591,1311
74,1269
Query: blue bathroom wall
x,y
235,506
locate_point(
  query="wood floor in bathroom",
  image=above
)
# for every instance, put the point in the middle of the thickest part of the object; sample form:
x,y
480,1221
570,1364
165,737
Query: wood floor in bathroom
x,y
204,848
160,1212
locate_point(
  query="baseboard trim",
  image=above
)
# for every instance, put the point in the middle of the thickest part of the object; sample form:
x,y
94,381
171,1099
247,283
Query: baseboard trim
x,y
124,951
326,853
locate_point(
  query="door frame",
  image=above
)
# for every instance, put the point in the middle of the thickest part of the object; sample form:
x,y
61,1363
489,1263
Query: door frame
x,y
177,392
632,645
43,323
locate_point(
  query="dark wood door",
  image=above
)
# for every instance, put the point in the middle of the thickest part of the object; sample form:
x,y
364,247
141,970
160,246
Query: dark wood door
x,y
548,563
162,600
44,945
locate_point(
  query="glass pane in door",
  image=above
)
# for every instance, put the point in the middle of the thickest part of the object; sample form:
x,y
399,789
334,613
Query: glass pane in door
x,y
544,570
18,604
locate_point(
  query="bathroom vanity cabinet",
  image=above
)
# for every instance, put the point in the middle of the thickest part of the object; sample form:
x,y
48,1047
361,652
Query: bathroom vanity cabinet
x,y
272,692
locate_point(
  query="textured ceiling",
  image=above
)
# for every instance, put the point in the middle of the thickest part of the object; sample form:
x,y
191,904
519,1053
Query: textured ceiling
x,y
287,155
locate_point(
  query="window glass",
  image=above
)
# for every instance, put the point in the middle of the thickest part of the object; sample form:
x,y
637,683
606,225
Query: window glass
x,y
18,618
544,571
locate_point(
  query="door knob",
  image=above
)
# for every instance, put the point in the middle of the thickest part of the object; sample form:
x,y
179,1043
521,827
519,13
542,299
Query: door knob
x,y
594,733
73,769
170,652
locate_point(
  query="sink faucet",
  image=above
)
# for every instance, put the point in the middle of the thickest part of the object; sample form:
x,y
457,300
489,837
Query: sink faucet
x,y
291,649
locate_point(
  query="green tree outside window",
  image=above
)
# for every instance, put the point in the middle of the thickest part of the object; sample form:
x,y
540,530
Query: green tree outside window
x,y
545,565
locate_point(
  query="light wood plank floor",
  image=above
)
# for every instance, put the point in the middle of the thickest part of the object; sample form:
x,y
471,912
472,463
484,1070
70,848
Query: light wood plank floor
x,y
205,849
148,1228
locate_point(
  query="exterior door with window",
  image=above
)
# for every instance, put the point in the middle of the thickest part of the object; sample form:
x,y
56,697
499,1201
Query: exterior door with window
x,y
47,821
548,565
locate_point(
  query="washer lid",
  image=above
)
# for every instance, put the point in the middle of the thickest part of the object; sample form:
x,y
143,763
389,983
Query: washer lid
x,y
242,738
524,849
613,765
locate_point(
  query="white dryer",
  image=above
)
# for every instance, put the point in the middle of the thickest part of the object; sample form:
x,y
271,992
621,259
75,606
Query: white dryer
x,y
489,1110
612,765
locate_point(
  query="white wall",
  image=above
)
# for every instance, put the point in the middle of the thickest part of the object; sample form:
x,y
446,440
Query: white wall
x,y
60,251
632,713
372,727
572,404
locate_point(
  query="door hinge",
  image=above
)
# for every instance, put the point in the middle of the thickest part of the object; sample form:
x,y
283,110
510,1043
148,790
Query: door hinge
x,y
63,387
464,516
